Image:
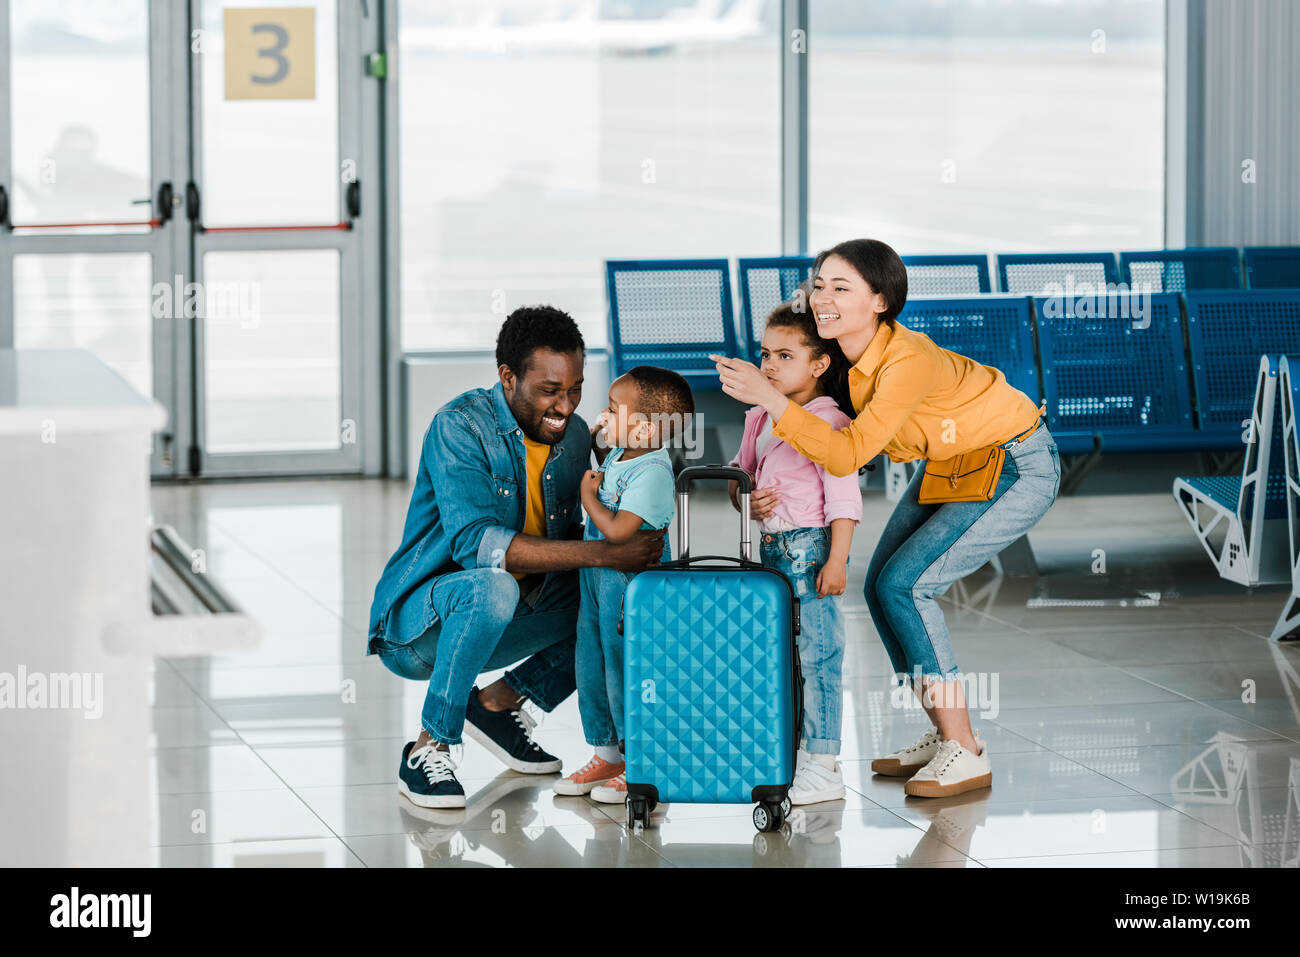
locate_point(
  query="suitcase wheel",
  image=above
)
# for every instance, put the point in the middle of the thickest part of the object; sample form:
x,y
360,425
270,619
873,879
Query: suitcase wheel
x,y
638,813
770,817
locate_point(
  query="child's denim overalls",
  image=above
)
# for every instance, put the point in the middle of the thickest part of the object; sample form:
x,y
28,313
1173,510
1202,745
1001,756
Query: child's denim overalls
x,y
599,660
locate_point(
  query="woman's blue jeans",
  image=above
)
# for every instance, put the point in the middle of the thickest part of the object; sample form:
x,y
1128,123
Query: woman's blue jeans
x,y
800,555
925,548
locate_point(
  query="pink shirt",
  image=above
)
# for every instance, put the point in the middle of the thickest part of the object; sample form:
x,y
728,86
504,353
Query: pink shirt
x,y
810,496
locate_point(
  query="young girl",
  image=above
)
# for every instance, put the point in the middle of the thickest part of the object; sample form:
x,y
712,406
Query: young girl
x,y
806,519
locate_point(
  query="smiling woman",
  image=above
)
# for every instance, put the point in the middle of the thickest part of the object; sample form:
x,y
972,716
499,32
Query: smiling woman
x,y
915,400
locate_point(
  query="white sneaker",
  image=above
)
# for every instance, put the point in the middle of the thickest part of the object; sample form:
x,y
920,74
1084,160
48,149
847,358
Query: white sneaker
x,y
814,783
613,791
952,770
905,762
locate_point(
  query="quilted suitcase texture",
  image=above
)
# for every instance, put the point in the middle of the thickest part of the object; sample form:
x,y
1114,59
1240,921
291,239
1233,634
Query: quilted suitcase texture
x,y
712,687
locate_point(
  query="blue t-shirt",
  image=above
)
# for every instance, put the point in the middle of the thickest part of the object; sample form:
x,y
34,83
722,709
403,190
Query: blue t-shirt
x,y
650,491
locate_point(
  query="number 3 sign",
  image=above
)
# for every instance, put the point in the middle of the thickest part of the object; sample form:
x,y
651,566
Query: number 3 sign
x,y
270,53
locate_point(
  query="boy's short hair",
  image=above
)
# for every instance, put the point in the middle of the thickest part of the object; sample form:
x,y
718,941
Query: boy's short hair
x,y
663,393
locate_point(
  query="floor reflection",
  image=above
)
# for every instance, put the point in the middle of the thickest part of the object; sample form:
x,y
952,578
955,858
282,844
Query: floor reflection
x,y
1124,732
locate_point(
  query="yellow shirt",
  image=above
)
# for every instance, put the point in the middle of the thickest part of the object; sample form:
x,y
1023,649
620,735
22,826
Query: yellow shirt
x,y
535,456
915,400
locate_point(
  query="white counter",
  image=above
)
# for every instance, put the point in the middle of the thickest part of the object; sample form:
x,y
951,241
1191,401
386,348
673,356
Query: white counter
x,y
74,506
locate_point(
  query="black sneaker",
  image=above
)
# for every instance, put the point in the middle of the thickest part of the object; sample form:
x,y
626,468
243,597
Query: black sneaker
x,y
427,777
509,736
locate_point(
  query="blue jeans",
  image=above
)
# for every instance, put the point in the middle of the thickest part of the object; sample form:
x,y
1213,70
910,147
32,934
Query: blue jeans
x,y
480,624
598,662
800,555
925,548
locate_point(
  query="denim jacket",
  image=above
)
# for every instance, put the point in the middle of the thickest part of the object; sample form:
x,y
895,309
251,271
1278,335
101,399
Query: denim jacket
x,y
468,501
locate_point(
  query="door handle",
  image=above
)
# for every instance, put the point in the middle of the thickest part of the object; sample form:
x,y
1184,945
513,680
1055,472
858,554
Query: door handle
x,y
354,199
166,203
4,208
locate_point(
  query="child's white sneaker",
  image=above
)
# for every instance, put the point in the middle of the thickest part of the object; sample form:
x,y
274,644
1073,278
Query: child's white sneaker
x,y
952,770
613,791
813,782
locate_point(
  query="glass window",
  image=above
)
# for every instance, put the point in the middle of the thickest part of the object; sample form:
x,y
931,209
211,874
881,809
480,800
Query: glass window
x,y
961,125
98,301
271,350
272,159
540,138
80,102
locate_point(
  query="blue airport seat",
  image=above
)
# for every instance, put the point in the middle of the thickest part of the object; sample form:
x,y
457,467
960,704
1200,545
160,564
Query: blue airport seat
x,y
1288,385
1030,274
955,275
671,313
1178,270
1272,267
1119,377
1245,535
1227,332
993,330
1223,490
764,285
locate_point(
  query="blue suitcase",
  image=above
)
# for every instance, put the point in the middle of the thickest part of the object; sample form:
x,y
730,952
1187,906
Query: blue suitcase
x,y
713,693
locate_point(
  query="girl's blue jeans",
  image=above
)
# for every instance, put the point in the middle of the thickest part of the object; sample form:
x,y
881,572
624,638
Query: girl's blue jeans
x,y
800,555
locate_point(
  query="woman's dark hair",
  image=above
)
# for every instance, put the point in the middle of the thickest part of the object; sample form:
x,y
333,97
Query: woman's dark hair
x,y
529,328
835,380
879,265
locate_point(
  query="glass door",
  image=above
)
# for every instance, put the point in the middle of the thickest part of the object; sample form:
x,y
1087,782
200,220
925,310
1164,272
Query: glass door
x,y
276,210
181,194
89,231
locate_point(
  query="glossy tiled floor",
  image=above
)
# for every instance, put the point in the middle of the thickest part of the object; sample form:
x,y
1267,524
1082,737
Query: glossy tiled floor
x,y
1135,711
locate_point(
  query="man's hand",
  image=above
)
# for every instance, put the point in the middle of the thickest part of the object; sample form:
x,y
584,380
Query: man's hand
x,y
634,555
590,485
831,579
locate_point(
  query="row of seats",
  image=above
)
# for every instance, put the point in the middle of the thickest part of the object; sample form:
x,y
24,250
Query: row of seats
x,y
1249,524
1026,274
1130,373
676,311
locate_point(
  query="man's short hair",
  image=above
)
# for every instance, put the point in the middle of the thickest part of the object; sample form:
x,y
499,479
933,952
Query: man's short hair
x,y
529,328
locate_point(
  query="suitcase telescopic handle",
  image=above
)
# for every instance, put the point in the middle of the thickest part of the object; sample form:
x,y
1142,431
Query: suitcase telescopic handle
x,y
695,472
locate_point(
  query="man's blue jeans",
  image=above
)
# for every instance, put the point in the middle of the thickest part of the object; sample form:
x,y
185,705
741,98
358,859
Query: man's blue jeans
x,y
925,548
480,624
800,555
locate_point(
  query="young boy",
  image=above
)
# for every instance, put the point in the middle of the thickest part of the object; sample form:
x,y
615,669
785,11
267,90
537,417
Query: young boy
x,y
632,489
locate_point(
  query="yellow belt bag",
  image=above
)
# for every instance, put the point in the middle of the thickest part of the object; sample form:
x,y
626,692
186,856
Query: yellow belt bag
x,y
969,477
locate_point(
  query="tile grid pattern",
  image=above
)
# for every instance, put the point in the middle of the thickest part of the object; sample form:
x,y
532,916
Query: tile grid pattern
x,y
1126,733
